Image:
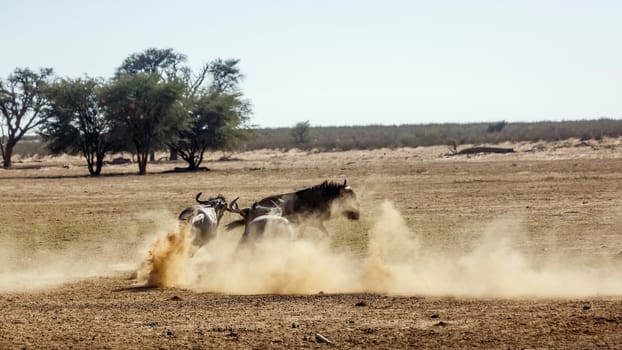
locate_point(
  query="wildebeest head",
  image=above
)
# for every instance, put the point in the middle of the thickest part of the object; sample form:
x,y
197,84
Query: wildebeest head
x,y
346,203
218,203
203,218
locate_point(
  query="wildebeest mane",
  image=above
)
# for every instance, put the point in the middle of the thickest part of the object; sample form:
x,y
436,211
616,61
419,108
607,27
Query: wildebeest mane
x,y
330,188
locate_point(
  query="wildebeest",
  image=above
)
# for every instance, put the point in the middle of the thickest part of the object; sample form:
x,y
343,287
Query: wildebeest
x,y
314,205
204,218
259,220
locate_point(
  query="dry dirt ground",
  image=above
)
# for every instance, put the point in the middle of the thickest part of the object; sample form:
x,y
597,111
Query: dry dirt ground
x,y
519,250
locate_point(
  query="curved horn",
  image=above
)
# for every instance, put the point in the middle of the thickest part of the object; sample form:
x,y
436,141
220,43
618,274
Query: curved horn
x,y
233,206
344,182
198,200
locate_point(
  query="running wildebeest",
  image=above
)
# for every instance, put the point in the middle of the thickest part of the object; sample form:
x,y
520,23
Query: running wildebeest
x,y
258,220
204,218
314,205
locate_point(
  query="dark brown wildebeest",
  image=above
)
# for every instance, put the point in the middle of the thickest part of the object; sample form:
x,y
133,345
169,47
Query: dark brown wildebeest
x,y
314,205
204,218
258,220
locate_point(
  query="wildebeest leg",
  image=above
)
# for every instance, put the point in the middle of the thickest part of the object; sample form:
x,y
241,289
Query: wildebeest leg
x,y
243,240
321,227
317,224
244,247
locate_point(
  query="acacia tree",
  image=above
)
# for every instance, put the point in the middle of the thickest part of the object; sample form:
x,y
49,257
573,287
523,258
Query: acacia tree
x,y
212,101
144,111
218,113
22,103
300,133
75,122
218,122
169,65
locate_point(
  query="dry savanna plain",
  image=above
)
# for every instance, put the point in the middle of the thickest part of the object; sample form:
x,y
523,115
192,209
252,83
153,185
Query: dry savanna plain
x,y
519,250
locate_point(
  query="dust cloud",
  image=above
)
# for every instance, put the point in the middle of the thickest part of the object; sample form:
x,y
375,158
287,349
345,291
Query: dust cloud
x,y
22,268
395,262
37,261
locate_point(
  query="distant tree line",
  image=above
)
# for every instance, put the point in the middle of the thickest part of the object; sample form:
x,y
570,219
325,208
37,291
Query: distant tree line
x,y
154,102
304,136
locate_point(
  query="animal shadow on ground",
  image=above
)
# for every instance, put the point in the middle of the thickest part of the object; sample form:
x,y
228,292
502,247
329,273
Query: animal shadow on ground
x,y
135,289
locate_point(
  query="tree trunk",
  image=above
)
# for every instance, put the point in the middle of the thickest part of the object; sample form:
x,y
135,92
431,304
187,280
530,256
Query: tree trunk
x,y
142,162
172,155
98,165
191,159
8,153
90,157
95,166
89,165
192,165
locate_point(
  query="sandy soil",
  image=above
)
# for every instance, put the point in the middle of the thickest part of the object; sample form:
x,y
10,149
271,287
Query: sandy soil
x,y
518,250
106,313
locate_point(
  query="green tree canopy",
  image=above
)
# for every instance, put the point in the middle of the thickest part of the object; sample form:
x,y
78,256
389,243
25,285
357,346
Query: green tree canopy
x,y
145,112
165,62
218,122
76,123
226,76
170,65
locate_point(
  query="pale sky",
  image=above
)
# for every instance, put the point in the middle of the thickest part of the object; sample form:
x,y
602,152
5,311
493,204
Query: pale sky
x,y
352,62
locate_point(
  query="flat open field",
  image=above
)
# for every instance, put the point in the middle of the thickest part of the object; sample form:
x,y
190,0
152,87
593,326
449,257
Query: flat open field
x,y
520,250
